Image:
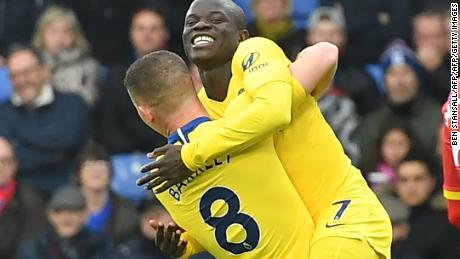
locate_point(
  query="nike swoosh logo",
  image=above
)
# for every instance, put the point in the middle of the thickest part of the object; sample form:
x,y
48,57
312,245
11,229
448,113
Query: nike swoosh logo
x,y
333,225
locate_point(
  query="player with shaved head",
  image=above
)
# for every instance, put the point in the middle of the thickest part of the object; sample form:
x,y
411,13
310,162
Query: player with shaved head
x,y
220,213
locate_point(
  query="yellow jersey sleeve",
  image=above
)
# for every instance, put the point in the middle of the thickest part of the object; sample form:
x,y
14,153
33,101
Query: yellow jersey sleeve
x,y
270,89
269,111
259,61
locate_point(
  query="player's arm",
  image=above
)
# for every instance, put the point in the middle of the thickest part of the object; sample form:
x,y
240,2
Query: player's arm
x,y
265,72
451,179
266,77
315,67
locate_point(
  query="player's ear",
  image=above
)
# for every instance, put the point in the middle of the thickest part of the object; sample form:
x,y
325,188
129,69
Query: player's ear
x,y
146,114
244,35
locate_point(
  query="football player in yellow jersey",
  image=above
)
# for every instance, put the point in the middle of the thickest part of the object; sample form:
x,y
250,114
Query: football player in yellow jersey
x,y
350,221
217,205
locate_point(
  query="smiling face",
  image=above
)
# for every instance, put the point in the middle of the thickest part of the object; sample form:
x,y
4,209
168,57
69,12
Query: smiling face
x,y
27,74
67,222
211,34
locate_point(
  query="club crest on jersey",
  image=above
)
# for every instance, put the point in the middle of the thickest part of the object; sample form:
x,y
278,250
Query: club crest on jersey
x,y
250,59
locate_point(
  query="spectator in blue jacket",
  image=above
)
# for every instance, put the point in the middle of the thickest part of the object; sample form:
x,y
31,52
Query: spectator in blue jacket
x,y
46,127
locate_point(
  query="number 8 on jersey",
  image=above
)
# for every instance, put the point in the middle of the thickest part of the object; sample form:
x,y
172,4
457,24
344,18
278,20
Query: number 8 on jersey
x,y
233,216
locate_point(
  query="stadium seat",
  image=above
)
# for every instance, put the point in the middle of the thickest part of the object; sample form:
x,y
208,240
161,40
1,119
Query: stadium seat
x,y
126,170
5,84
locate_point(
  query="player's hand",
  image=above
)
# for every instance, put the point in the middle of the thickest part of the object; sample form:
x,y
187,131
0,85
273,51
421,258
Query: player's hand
x,y
165,172
168,239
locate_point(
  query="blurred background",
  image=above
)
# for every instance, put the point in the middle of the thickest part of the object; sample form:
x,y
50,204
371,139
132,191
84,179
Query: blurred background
x,y
71,143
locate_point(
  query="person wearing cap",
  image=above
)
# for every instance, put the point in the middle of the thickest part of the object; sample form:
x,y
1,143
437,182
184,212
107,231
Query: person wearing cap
x,y
66,235
17,203
430,235
404,101
328,24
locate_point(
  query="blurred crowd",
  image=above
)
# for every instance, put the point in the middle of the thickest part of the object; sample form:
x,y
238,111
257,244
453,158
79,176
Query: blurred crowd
x,y
65,116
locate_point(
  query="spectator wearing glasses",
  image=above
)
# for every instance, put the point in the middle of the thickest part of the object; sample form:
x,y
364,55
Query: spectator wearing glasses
x,y
47,128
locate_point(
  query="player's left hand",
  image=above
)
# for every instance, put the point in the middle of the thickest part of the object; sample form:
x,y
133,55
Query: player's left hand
x,y
165,172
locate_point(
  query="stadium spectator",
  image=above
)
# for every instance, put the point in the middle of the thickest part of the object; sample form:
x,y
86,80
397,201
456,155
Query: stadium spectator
x,y
415,185
115,116
372,24
148,32
328,24
65,50
273,21
431,41
17,23
108,213
404,102
46,127
143,247
106,24
17,203
301,9
66,236
394,142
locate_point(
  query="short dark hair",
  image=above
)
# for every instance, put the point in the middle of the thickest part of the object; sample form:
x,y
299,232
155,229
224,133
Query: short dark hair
x,y
432,11
160,79
421,156
237,14
149,8
397,124
91,152
15,48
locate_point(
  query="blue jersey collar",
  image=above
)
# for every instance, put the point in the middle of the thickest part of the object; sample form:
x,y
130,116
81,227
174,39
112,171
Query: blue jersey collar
x,y
181,134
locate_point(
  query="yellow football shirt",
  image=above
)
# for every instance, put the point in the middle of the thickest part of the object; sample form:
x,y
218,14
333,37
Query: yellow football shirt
x,y
334,191
231,209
